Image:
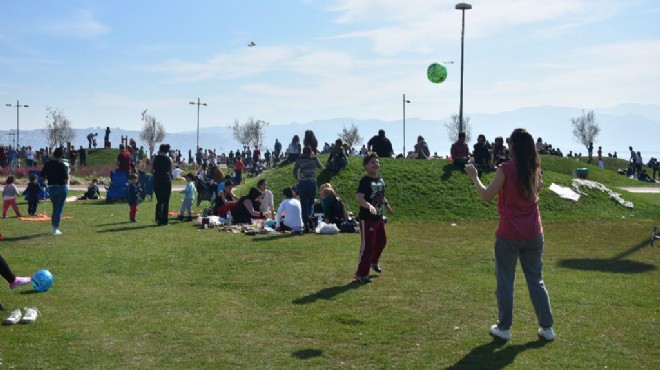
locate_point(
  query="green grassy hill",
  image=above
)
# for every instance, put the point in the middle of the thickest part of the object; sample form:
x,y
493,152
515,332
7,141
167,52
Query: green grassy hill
x,y
433,190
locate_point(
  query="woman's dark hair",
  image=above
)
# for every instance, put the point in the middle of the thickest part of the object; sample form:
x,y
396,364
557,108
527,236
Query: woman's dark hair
x,y
10,179
58,152
287,192
295,139
253,194
307,151
164,148
420,138
229,182
310,140
527,162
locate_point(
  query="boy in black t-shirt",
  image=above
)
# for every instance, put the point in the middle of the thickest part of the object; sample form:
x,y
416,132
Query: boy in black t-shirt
x,y
371,197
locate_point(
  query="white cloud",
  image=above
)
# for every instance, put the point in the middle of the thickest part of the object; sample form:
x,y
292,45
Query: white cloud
x,y
81,24
416,26
246,62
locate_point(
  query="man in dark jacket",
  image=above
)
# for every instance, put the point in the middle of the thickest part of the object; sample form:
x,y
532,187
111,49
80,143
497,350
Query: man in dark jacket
x,y
381,145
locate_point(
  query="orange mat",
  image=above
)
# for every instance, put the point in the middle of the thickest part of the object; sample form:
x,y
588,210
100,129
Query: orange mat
x,y
41,217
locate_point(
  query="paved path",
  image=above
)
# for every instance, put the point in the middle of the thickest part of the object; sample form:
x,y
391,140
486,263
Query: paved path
x,y
21,188
652,190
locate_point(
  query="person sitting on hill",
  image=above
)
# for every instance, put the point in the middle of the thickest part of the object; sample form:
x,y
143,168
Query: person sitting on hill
x,y
246,208
500,154
225,200
460,152
337,160
334,210
92,191
422,148
291,209
481,153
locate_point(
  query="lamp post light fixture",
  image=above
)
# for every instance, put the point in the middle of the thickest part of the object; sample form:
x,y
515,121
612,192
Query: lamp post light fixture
x,y
18,107
404,124
198,104
462,7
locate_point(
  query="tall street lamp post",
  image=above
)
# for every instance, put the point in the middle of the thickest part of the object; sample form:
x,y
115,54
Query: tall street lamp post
x,y
404,124
462,7
198,105
18,107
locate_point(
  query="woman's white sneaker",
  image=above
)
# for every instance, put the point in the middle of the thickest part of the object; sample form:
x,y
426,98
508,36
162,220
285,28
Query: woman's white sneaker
x,y
13,318
498,333
30,315
547,334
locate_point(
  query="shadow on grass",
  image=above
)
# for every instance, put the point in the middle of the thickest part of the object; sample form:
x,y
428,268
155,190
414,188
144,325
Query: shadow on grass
x,y
273,237
487,356
25,237
448,170
31,292
307,353
616,264
126,228
327,293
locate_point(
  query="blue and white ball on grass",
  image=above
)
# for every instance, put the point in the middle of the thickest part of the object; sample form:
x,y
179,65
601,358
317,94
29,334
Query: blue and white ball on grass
x,y
42,280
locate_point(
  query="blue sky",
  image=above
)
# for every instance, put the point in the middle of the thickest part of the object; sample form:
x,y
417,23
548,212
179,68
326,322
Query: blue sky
x,y
104,62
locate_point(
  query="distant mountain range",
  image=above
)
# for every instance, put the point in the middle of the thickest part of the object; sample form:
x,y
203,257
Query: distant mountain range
x,y
621,126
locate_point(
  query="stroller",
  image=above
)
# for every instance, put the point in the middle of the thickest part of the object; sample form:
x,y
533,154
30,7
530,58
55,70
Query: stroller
x,y
205,190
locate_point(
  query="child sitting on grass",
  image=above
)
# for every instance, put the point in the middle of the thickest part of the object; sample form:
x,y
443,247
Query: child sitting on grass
x,y
9,194
32,194
92,191
188,197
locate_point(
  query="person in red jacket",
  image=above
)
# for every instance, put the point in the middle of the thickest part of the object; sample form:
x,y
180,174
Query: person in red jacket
x,y
123,160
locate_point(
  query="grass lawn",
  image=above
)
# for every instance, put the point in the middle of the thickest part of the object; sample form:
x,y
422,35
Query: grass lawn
x,y
140,296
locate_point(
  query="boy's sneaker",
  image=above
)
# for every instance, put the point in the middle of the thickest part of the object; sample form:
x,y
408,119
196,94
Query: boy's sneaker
x,y
56,231
546,333
180,218
376,267
30,315
19,281
13,318
133,220
362,279
500,334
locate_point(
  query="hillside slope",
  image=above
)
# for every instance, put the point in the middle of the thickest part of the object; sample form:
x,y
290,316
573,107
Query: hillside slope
x,y
433,190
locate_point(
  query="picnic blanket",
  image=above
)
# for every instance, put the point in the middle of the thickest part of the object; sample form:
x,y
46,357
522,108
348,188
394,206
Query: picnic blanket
x,y
41,218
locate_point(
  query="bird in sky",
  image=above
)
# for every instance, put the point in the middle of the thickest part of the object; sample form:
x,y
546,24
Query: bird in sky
x,y
251,44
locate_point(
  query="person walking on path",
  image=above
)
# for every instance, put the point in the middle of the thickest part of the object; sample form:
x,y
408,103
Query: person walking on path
x,y
519,233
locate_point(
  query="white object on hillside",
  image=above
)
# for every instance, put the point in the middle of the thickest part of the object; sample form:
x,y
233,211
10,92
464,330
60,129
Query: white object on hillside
x,y
564,192
577,183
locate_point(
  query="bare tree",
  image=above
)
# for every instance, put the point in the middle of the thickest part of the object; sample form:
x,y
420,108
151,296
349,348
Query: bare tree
x,y
250,132
152,132
350,135
453,128
585,128
58,129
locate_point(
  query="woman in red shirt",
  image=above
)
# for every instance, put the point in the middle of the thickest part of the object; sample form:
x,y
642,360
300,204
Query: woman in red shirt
x,y
519,233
